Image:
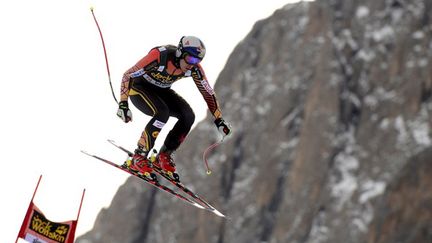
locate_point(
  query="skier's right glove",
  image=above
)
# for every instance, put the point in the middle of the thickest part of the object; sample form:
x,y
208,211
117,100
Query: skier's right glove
x,y
123,112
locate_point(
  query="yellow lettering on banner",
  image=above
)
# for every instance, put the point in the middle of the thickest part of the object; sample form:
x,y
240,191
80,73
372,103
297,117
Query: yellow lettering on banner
x,y
43,227
62,230
40,226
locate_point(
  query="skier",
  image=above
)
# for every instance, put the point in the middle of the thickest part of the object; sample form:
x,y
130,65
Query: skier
x,y
148,83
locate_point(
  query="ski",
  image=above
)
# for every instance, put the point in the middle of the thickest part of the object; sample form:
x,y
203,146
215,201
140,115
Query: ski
x,y
154,183
178,184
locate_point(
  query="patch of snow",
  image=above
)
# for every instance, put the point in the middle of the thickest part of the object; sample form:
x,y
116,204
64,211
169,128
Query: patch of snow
x,y
294,83
385,95
263,109
290,117
338,43
222,157
384,66
248,74
270,89
251,210
371,101
241,183
346,165
366,55
418,35
416,8
363,217
335,80
399,125
397,15
418,48
248,212
319,231
362,12
344,40
242,186
423,62
354,99
321,40
385,33
371,189
379,94
349,39
303,21
359,224
283,146
410,64
385,123
420,132
287,145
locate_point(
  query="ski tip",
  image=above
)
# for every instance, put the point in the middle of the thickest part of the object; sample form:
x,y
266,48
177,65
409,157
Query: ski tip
x,y
85,152
199,206
215,211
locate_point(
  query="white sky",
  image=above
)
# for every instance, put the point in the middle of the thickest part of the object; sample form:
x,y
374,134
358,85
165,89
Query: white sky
x,y
56,97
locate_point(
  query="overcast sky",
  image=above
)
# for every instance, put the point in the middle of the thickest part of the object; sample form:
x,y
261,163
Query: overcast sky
x,y
57,101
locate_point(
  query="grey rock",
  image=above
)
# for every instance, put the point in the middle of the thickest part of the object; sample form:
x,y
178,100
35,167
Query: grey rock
x,y
330,103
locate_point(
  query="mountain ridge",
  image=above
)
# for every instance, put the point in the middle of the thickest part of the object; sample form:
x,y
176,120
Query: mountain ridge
x,y
330,103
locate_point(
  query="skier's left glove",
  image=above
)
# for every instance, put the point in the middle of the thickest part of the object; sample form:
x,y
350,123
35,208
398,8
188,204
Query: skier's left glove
x,y
223,127
123,112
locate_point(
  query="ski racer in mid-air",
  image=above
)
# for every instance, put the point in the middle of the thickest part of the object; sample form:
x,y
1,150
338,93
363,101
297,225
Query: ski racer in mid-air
x,y
148,85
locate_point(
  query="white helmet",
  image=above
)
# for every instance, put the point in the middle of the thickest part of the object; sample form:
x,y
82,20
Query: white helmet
x,y
191,45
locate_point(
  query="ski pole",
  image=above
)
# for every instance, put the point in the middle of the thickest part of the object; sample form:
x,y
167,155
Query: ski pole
x,y
205,154
224,133
105,53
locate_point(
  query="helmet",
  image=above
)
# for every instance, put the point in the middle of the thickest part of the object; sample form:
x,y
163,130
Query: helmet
x,y
191,45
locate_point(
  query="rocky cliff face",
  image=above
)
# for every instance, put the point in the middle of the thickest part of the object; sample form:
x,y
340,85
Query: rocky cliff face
x,y
331,106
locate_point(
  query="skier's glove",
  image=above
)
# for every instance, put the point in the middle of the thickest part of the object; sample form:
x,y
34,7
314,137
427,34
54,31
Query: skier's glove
x,y
123,112
223,126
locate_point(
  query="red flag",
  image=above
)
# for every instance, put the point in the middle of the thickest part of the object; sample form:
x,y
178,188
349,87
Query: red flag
x,y
37,228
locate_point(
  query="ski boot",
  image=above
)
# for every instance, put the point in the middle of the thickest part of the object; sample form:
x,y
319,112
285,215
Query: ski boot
x,y
164,162
141,165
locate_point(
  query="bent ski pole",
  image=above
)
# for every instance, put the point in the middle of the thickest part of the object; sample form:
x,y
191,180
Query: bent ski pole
x,y
105,53
205,154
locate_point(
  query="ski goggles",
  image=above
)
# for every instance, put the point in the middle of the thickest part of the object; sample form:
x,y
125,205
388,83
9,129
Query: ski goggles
x,y
191,60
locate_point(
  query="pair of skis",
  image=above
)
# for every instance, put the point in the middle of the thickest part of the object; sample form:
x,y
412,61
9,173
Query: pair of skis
x,y
192,198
